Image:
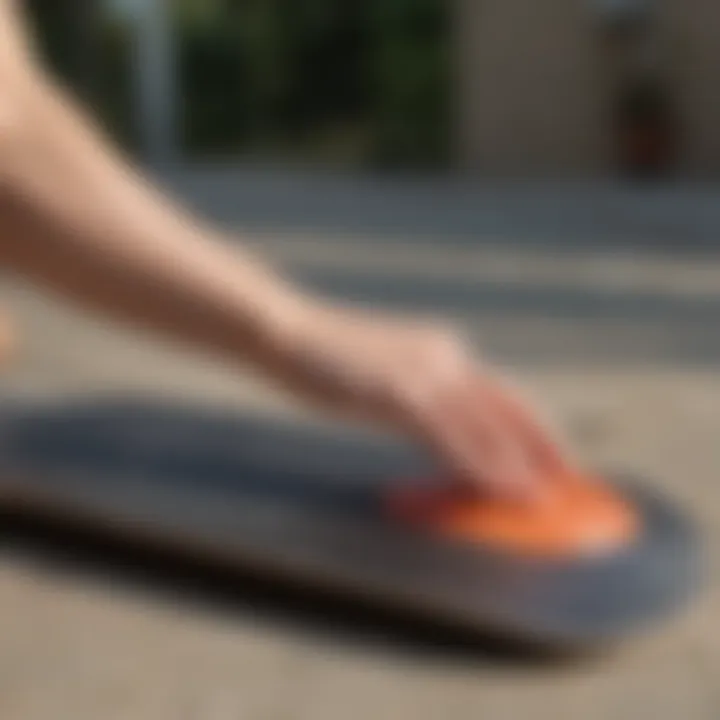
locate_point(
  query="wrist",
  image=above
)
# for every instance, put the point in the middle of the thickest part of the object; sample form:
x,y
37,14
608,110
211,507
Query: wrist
x,y
277,317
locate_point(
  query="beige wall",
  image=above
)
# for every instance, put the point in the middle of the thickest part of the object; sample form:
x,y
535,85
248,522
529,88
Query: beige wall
x,y
692,32
534,87
530,89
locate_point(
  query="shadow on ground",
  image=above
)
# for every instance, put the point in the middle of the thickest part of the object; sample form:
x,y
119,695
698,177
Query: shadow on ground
x,y
115,442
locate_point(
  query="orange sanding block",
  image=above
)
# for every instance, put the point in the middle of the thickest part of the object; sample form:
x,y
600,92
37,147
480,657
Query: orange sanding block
x,y
574,516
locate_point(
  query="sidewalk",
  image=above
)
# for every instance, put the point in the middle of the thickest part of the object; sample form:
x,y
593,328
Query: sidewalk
x,y
613,325
665,217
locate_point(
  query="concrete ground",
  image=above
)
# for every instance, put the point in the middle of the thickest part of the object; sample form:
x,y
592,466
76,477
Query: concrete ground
x,y
619,338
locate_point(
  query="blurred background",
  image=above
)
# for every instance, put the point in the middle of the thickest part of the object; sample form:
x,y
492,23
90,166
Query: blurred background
x,y
563,88
541,172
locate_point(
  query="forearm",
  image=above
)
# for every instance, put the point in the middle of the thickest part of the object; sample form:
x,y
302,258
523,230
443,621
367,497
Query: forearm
x,y
76,216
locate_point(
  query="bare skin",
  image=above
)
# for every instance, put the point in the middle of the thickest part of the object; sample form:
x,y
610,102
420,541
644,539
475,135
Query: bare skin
x,y
77,218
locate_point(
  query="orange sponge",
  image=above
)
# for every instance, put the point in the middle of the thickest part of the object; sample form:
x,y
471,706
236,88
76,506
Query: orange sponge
x,y
577,516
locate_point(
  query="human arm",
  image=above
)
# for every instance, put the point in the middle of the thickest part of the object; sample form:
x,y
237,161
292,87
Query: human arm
x,y
77,217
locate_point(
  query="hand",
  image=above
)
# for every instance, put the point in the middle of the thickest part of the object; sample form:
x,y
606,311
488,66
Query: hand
x,y
421,380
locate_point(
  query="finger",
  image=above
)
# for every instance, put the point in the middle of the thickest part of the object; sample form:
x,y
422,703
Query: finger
x,y
543,450
472,445
484,419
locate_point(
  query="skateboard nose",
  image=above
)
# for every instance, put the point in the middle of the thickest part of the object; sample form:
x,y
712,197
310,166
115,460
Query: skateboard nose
x,y
581,517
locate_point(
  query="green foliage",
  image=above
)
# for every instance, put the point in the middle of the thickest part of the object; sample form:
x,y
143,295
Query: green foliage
x,y
410,73
360,82
363,81
89,52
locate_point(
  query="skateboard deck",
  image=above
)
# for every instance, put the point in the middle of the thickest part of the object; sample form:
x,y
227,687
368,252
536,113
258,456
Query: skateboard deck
x,y
322,509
